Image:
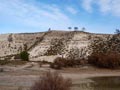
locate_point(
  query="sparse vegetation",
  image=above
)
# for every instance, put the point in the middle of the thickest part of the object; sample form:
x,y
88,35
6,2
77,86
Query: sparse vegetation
x,y
39,39
43,62
8,62
76,53
108,60
59,63
52,81
4,62
73,61
1,70
74,57
57,47
17,62
106,52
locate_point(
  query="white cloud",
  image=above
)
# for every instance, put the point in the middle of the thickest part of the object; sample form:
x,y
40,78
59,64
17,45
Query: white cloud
x,y
115,7
105,6
110,6
87,5
72,10
29,14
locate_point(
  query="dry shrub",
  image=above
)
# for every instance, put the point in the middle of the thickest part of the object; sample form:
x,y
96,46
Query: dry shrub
x,y
1,70
14,62
107,60
52,81
55,66
4,62
62,62
58,63
105,51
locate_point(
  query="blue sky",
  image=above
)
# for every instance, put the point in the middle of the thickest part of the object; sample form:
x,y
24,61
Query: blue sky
x,y
98,16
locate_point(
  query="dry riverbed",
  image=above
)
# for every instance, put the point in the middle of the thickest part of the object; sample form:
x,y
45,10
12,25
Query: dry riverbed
x,y
21,77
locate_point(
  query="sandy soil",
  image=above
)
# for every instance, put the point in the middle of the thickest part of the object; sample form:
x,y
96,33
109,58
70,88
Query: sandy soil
x,y
23,77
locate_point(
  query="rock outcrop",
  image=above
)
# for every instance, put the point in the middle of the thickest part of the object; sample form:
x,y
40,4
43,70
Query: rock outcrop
x,y
39,43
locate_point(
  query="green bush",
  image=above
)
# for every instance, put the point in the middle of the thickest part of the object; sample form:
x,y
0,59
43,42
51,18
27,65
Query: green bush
x,y
24,56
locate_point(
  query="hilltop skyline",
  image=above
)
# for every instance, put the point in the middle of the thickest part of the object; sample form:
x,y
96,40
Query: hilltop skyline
x,y
20,16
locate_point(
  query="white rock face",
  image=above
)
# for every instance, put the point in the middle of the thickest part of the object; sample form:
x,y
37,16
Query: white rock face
x,y
15,46
4,37
39,43
79,40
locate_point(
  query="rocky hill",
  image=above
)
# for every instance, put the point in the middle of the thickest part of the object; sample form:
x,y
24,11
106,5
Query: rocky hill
x,y
39,43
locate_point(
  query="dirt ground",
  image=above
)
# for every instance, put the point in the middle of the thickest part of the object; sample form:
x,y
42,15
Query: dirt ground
x,y
22,77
